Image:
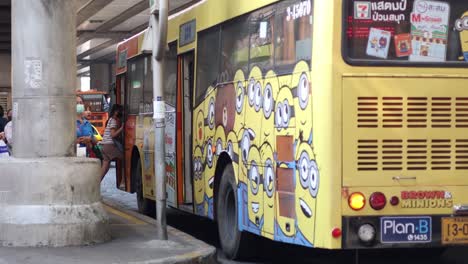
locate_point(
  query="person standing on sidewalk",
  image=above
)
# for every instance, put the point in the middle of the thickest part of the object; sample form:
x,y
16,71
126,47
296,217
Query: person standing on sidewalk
x,y
3,121
111,148
84,130
8,130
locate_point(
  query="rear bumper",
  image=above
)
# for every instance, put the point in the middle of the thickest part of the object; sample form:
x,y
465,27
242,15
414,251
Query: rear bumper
x,y
352,224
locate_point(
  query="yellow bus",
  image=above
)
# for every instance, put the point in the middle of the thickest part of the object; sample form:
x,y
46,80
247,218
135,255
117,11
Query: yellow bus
x,y
330,124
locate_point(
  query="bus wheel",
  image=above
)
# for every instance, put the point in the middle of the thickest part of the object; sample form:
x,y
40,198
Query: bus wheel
x,y
233,241
145,206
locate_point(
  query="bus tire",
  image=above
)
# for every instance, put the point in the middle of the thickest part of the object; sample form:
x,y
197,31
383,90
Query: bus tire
x,y
145,206
233,242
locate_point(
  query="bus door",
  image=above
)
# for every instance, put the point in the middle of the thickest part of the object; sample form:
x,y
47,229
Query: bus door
x,y
120,99
185,78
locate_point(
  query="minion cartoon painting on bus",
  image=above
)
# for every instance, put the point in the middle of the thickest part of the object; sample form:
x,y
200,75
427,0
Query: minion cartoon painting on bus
x,y
307,180
255,191
302,102
199,186
461,25
269,183
209,148
264,123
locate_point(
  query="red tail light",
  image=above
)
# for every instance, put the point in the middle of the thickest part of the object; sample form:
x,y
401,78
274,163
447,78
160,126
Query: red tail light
x,y
394,201
336,232
377,201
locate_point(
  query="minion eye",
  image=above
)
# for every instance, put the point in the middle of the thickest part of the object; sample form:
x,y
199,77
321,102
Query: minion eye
x,y
209,153
254,178
304,170
269,178
219,146
211,113
245,145
303,91
465,23
314,179
251,91
230,149
279,115
258,96
459,24
199,169
239,97
286,116
267,101
196,168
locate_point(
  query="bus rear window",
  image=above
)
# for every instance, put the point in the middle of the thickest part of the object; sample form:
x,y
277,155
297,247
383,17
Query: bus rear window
x,y
406,32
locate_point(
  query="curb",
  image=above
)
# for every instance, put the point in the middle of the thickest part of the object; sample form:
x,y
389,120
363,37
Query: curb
x,y
203,253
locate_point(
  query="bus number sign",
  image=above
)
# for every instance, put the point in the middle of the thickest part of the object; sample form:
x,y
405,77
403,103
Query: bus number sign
x,y
187,33
296,11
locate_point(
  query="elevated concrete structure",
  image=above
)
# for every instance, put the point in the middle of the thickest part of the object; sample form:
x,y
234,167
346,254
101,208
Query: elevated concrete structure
x,y
47,197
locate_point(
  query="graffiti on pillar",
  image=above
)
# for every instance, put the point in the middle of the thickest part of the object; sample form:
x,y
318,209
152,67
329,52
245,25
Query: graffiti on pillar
x,y
33,73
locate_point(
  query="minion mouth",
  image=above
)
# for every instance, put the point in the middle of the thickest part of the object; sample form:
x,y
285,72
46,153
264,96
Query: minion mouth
x,y
201,190
211,182
303,123
255,207
305,208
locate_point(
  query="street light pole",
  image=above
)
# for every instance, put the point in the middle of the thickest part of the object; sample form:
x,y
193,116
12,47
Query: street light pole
x,y
158,26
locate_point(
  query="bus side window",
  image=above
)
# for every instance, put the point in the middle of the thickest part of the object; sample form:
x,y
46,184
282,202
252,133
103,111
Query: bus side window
x,y
147,106
135,86
170,75
261,39
208,52
234,48
293,32
453,45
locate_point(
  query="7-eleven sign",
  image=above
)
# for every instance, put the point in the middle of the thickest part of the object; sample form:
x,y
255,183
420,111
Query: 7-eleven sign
x,y
362,10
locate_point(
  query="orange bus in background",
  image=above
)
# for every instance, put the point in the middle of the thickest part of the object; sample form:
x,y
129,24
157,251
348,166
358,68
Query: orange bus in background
x,y
95,101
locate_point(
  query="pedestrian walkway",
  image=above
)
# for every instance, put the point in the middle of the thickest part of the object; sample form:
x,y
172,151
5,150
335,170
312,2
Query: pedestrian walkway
x,y
134,240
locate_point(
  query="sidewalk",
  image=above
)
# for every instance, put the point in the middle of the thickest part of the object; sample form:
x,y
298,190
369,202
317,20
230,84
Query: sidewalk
x,y
134,240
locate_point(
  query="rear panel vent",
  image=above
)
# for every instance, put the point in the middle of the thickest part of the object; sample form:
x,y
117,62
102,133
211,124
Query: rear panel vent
x,y
416,154
392,154
416,112
368,155
392,112
412,154
412,112
461,112
404,129
441,112
461,154
441,154
368,112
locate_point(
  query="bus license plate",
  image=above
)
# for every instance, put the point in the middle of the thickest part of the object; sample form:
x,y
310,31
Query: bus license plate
x,y
455,230
406,229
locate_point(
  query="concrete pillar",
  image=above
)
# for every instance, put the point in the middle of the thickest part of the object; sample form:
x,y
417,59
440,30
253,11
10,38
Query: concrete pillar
x,y
48,196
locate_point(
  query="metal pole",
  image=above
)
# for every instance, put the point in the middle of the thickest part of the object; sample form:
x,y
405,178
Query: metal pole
x,y
158,23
